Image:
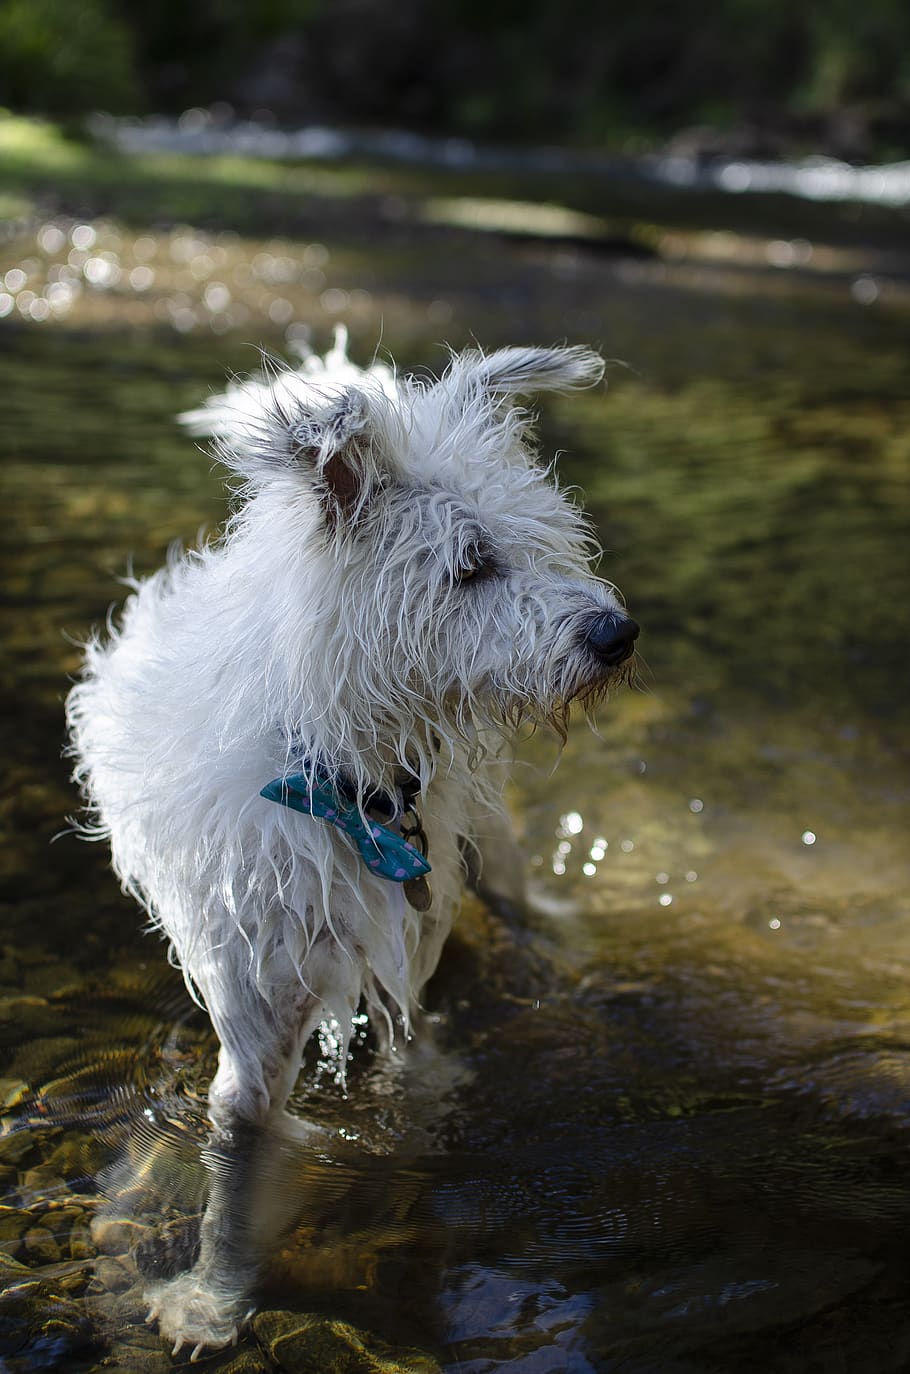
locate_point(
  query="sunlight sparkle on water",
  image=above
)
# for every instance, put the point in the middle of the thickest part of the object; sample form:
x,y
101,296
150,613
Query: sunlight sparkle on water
x,y
141,278
665,899
51,239
774,923
696,805
216,296
589,869
808,837
61,294
102,270
200,280
332,1051
281,311
83,237
571,823
865,290
334,300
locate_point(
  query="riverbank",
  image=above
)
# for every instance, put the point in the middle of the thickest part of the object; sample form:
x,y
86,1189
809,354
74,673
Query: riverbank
x,y
94,234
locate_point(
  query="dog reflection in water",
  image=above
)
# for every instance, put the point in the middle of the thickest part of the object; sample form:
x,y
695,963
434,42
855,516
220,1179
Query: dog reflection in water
x,y
322,1217
291,737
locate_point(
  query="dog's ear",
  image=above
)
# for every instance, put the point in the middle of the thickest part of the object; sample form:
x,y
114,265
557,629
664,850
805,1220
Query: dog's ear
x,y
263,431
333,447
523,371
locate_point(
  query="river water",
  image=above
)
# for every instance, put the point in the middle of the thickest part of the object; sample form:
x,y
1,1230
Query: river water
x,y
663,1127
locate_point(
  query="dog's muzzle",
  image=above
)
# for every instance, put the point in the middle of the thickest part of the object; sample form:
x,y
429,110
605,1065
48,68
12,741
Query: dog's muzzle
x,y
611,638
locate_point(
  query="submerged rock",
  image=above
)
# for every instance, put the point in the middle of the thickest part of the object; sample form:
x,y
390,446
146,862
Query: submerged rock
x,y
303,1343
41,1247
12,1090
15,1146
115,1275
168,1249
250,1361
117,1235
13,1225
37,1322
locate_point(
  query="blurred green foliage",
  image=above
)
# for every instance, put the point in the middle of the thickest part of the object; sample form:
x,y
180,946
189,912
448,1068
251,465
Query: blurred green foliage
x,y
821,70
65,57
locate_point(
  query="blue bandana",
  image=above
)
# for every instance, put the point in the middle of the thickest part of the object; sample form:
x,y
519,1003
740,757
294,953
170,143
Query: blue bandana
x,y
317,795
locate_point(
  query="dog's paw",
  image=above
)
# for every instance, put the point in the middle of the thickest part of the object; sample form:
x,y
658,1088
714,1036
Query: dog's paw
x,y
191,1313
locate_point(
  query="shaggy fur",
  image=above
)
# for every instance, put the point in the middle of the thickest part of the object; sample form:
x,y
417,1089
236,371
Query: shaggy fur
x,y
400,586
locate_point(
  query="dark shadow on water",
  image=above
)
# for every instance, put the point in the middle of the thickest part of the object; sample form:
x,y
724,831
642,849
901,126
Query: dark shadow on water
x,y
588,1178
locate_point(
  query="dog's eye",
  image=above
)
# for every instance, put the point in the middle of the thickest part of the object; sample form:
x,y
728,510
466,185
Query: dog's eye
x,y
476,563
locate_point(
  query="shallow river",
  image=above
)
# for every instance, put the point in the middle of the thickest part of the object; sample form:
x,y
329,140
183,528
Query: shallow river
x,y
665,1127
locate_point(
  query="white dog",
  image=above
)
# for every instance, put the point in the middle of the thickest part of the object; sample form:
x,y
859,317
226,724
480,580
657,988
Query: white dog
x,y
290,740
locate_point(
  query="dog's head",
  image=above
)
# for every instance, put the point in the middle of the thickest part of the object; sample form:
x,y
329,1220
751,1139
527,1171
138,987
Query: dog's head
x,y
440,574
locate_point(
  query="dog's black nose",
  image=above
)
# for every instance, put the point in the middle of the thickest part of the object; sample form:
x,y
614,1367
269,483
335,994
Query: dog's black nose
x,y
612,638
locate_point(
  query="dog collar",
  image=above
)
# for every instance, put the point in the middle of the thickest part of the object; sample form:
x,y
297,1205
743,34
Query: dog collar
x,y
319,794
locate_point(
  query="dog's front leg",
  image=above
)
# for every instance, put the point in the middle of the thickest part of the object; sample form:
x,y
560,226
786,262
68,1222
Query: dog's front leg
x,y
246,1215
261,1050
206,1307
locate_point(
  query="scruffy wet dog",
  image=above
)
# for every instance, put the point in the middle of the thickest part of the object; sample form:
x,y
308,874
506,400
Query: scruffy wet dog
x,y
291,738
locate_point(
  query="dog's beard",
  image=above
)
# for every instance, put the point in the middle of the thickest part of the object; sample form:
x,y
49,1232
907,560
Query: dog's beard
x,y
577,686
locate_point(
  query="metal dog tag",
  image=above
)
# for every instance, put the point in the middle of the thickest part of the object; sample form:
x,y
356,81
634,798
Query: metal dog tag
x,y
418,893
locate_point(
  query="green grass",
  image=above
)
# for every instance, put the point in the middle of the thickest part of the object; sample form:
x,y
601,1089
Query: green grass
x,y
42,166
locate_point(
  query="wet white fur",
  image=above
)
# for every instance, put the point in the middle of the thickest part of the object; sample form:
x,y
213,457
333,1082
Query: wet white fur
x,y
342,621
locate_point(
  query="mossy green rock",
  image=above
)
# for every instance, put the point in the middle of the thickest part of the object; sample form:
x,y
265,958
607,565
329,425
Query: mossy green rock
x,y
301,1343
249,1361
